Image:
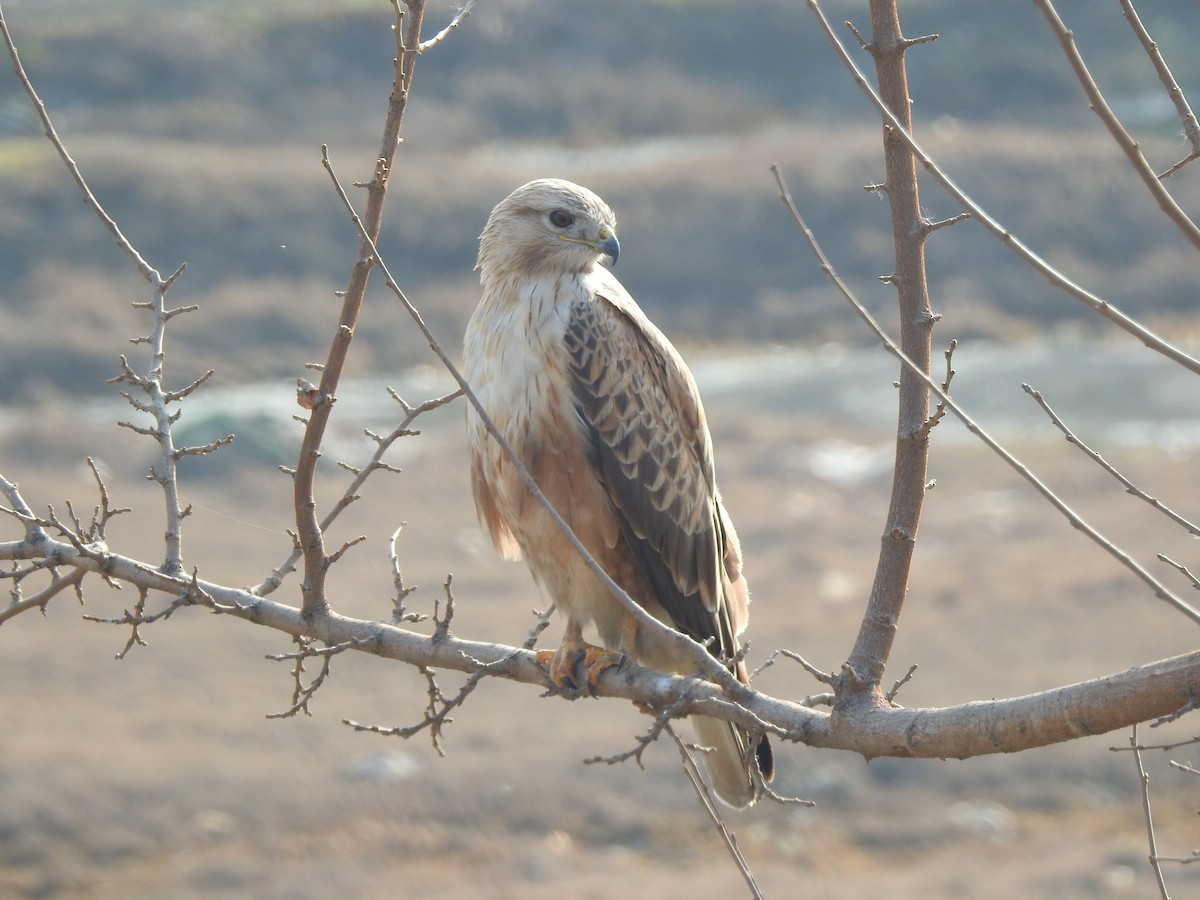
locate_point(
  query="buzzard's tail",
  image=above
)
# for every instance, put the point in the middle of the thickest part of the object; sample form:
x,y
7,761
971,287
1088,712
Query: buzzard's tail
x,y
736,776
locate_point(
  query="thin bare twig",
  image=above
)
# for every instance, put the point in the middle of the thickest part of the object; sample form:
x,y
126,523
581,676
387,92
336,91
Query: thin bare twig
x,y
148,271
445,32
1130,487
1130,147
939,411
1144,781
151,383
438,708
1182,570
1006,237
704,795
44,596
890,696
1165,748
399,613
302,694
1191,128
662,722
823,677
383,443
1078,522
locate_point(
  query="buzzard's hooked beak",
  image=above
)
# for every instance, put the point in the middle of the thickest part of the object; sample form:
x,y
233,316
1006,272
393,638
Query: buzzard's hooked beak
x,y
605,242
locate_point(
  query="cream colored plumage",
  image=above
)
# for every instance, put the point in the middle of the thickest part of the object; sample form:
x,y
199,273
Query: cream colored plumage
x,y
605,415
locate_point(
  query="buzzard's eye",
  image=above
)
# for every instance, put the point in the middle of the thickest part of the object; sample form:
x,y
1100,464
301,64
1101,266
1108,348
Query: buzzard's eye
x,y
560,218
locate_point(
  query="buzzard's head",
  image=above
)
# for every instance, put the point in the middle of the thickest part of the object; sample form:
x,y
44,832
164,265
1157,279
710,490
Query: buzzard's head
x,y
548,225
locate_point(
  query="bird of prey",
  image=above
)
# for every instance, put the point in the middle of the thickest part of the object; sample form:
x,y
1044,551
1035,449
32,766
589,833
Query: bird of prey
x,y
603,412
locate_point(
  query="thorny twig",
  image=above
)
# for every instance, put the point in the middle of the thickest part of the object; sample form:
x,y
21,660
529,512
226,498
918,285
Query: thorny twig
x,y
399,613
662,722
138,617
301,693
151,383
39,600
90,536
542,623
441,626
192,595
437,707
361,474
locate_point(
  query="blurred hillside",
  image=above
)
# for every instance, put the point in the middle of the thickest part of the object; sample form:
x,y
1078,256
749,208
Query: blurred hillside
x,y
198,124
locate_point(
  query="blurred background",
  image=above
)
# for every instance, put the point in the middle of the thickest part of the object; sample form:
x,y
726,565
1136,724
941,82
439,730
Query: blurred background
x,y
198,126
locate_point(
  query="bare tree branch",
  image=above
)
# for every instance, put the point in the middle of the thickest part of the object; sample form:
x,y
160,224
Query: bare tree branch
x,y
445,32
1128,145
151,383
1130,487
44,596
310,535
374,464
863,670
714,813
1190,127
999,726
147,271
1078,522
1006,237
1144,782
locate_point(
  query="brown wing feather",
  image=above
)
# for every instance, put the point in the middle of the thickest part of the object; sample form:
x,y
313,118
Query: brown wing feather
x,y
650,445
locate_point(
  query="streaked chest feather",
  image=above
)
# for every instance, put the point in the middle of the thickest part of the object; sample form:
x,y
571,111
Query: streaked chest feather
x,y
517,364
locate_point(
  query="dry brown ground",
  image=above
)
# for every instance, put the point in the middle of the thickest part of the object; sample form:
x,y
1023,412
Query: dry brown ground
x,y
160,776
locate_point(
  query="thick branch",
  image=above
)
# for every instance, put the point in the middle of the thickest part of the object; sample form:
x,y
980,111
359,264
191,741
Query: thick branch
x,y
866,663
972,729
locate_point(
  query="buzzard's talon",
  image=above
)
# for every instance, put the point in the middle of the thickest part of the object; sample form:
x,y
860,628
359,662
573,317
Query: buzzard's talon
x,y
560,665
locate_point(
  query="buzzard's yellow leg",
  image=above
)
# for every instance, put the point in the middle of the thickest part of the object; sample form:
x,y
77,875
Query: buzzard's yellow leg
x,y
561,664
